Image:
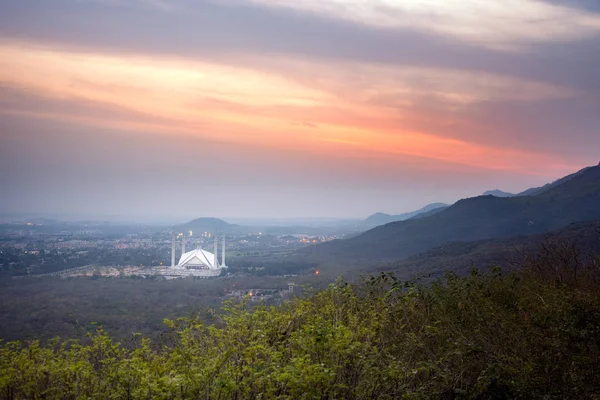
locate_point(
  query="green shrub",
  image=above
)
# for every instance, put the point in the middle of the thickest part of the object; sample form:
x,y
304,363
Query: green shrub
x,y
527,335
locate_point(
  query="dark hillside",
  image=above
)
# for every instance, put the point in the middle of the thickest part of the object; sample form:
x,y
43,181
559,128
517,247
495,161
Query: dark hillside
x,y
477,218
548,186
460,257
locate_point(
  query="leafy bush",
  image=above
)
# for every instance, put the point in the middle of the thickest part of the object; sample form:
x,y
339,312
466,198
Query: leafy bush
x,y
532,334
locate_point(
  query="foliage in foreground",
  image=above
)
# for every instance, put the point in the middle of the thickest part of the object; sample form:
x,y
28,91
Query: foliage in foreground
x,y
531,334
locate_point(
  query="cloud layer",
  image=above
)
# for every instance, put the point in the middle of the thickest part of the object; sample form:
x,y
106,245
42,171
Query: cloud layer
x,y
303,108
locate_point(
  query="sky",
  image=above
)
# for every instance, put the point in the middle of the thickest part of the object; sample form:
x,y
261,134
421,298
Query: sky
x,y
277,108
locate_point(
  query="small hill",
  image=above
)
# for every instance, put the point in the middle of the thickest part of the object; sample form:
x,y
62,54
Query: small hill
x,y
430,212
483,217
379,219
497,193
382,218
209,225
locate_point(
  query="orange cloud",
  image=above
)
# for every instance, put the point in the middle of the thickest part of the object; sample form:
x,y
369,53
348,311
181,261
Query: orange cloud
x,y
352,105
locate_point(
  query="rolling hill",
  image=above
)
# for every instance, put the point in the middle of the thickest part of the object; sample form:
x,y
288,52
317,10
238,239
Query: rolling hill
x,y
498,193
504,252
483,217
382,218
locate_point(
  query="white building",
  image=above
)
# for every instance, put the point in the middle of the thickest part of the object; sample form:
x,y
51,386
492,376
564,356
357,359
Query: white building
x,y
198,262
198,259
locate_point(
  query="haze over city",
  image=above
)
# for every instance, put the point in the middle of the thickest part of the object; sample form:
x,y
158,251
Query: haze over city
x,y
266,108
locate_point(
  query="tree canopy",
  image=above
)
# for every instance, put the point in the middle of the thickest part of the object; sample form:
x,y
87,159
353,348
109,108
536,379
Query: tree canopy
x,y
531,334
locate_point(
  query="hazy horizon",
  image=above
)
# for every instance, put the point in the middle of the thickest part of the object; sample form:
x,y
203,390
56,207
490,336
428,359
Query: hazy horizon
x,y
174,110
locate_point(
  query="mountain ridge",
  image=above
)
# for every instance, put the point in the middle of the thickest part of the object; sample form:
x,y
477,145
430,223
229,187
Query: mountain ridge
x,y
537,190
483,217
460,257
497,193
380,218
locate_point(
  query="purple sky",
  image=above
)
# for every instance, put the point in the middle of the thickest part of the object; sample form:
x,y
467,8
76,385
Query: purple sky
x,y
270,108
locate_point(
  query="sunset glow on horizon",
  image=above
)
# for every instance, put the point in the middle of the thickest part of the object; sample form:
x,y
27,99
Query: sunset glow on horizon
x,y
344,102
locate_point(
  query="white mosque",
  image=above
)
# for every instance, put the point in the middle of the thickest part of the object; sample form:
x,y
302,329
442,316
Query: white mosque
x,y
198,263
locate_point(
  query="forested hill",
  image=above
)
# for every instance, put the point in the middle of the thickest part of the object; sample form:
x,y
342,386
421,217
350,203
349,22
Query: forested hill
x,y
528,335
382,218
483,217
581,239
